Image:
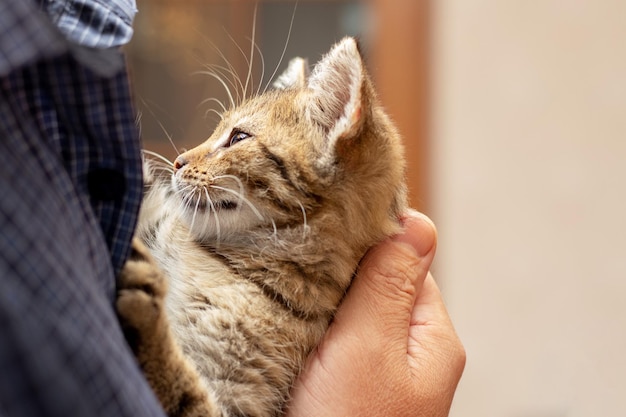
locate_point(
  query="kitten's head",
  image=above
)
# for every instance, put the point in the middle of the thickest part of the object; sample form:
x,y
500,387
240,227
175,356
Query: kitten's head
x,y
317,147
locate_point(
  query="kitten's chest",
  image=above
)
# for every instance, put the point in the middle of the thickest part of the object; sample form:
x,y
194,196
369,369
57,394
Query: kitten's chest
x,y
186,263
216,315
201,289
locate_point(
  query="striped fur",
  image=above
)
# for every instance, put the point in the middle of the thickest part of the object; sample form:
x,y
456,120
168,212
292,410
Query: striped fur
x,y
260,229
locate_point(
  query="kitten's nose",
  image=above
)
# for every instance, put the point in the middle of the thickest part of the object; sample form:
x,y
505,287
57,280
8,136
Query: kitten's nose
x,y
180,162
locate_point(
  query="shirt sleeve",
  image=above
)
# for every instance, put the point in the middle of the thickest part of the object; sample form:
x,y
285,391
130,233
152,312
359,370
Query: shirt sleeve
x,y
92,30
93,23
26,36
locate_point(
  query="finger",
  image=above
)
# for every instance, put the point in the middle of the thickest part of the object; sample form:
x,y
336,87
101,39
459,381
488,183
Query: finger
x,y
429,305
432,331
382,296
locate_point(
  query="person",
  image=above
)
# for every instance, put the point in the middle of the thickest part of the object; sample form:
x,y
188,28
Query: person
x,y
70,181
70,187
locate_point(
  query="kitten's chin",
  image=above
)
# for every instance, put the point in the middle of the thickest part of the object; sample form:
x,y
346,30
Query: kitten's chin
x,y
220,221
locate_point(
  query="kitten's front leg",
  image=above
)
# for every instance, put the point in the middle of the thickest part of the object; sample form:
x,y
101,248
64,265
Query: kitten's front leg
x,y
140,307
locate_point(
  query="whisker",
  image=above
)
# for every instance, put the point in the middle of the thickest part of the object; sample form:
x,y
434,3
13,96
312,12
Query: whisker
x,y
262,68
138,122
184,189
215,216
185,196
228,76
158,156
231,68
245,58
242,199
214,100
162,168
195,211
221,81
220,115
252,43
156,119
234,178
282,56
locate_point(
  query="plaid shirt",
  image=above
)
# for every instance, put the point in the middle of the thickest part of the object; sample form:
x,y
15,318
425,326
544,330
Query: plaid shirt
x,y
70,188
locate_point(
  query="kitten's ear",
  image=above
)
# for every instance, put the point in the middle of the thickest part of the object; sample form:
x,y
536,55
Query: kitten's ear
x,y
337,85
295,76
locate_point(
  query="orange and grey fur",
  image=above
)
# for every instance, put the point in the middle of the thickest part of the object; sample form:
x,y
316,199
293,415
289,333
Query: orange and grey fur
x,y
252,241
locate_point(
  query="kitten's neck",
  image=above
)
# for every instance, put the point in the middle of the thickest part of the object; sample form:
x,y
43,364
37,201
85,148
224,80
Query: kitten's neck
x,y
302,266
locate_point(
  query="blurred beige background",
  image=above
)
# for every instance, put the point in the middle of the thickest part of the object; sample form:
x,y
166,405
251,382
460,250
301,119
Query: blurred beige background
x,y
514,114
529,192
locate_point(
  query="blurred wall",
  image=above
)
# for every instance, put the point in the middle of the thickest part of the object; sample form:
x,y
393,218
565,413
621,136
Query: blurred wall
x,y
176,43
528,186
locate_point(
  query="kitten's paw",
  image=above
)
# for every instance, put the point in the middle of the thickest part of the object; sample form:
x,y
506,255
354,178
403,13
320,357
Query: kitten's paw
x,y
141,291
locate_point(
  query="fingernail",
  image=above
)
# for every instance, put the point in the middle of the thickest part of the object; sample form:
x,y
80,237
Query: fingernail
x,y
419,232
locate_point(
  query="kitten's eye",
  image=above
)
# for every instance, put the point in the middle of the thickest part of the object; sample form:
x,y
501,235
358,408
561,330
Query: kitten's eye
x,y
237,136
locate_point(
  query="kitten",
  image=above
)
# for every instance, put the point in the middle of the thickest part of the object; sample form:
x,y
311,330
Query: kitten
x,y
258,233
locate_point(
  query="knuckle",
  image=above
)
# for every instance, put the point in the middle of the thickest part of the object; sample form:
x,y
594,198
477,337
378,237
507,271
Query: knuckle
x,y
397,271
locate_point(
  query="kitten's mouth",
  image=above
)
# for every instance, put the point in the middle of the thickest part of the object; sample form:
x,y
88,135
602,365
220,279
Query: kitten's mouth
x,y
203,205
226,205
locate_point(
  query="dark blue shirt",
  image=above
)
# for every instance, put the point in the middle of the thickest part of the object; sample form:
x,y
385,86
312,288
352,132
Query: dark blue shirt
x,y
70,189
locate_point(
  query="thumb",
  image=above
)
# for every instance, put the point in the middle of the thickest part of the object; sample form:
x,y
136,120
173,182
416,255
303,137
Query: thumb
x,y
389,279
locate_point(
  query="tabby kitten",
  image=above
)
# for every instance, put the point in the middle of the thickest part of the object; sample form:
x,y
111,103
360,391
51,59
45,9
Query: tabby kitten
x,y
258,233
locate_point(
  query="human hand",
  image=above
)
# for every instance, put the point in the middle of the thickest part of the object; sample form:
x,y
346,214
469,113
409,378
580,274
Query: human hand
x,y
391,350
